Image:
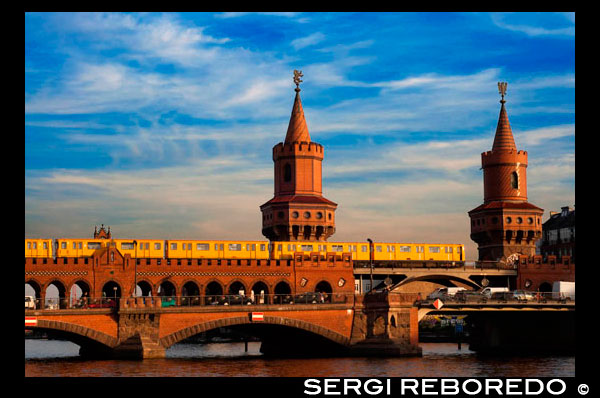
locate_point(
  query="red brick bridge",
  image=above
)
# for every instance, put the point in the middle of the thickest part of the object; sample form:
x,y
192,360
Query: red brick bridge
x,y
145,327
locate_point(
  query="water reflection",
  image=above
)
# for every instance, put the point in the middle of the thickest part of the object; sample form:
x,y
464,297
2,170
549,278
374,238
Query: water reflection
x,y
51,358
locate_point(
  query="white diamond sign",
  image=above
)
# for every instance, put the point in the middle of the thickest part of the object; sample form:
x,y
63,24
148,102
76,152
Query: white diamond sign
x,y
438,304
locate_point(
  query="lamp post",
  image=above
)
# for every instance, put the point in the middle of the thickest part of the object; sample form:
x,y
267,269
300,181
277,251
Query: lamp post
x,y
135,270
371,261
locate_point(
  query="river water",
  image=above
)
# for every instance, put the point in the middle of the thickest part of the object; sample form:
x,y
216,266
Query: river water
x,y
55,358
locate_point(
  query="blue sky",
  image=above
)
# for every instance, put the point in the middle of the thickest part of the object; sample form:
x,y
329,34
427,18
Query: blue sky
x,y
162,125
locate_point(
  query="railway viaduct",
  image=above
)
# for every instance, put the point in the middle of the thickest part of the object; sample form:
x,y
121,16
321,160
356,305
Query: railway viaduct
x,y
143,327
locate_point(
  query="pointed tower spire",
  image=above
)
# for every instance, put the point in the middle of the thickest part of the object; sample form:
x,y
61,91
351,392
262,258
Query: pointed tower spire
x,y
504,139
297,129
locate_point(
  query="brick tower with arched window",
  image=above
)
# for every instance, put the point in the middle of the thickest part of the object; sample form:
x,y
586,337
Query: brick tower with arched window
x,y
298,210
506,223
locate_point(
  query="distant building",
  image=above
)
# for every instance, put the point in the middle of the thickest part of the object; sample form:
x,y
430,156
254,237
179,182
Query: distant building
x,y
558,234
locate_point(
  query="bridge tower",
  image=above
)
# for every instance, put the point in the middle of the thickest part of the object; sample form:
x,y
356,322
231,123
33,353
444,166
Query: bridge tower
x,y
506,223
298,211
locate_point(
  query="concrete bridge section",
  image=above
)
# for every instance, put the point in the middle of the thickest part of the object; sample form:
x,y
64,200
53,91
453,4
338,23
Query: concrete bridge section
x,y
501,327
375,325
467,275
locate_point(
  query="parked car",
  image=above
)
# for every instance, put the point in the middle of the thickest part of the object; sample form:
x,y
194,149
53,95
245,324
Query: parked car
x,y
168,302
233,299
501,296
29,303
524,295
488,291
103,304
309,298
445,292
562,290
469,296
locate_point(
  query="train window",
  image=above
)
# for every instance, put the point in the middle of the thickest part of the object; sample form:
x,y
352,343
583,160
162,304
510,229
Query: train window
x,y
93,245
157,246
364,248
235,246
129,245
390,248
29,245
173,246
74,245
291,248
45,245
434,249
420,249
405,249
307,248
337,248
202,246
262,247
279,247
63,245
378,248
448,249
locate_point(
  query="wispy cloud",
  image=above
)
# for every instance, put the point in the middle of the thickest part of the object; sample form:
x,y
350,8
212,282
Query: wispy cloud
x,y
535,30
307,41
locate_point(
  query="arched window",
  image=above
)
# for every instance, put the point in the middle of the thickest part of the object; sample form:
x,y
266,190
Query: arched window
x,y
287,173
514,180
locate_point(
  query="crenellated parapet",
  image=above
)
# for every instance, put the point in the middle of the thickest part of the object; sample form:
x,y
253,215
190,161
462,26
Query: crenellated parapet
x,y
298,149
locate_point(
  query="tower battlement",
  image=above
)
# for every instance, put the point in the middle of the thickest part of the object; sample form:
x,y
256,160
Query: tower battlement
x,y
300,148
490,158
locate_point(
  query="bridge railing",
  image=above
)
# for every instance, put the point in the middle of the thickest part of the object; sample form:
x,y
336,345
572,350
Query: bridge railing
x,y
194,301
515,297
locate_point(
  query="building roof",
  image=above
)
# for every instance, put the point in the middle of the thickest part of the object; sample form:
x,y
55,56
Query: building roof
x,y
564,219
503,140
308,199
297,129
496,204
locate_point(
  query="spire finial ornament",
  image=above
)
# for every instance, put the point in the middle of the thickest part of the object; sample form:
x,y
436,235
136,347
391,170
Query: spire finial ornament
x,y
297,75
502,90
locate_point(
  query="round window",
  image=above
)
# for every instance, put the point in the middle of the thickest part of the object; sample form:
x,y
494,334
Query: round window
x,y
295,214
306,214
508,220
319,215
519,220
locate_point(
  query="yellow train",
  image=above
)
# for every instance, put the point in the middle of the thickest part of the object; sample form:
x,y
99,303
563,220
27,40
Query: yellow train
x,y
182,248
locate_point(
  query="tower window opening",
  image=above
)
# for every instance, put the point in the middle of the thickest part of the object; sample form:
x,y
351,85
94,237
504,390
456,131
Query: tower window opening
x,y
287,173
514,180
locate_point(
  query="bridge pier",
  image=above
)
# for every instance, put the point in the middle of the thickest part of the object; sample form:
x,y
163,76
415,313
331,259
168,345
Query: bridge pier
x,y
385,324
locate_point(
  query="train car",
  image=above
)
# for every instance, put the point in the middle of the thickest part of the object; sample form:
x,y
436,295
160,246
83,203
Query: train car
x,y
417,251
79,247
183,248
383,251
38,248
141,248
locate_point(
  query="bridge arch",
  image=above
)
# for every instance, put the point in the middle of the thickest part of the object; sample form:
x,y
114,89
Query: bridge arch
x,y
61,287
167,287
235,286
108,289
182,334
77,334
35,285
436,278
146,287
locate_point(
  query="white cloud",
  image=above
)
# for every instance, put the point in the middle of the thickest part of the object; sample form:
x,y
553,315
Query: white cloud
x,y
532,30
308,41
